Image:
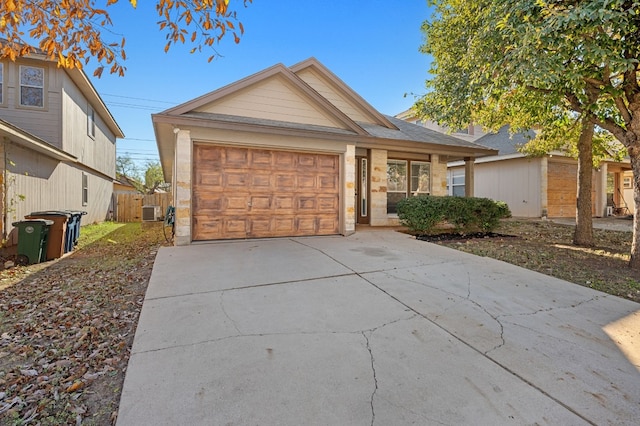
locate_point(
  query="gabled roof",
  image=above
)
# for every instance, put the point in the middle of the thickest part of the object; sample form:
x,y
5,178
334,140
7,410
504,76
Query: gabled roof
x,y
278,70
505,142
346,92
340,115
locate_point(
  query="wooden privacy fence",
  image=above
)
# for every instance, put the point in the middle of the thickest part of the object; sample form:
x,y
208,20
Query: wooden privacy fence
x,y
128,207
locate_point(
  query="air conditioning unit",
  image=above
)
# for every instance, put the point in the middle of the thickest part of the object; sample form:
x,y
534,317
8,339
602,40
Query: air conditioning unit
x,y
150,213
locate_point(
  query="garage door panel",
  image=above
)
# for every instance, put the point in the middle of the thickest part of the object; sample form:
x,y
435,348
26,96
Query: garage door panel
x,y
306,162
306,225
285,182
328,163
260,203
328,204
208,203
327,226
260,159
236,179
242,192
283,202
327,182
236,204
261,180
236,157
209,179
206,228
283,160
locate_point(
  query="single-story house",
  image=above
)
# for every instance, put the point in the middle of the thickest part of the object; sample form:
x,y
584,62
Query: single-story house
x,y
124,185
292,151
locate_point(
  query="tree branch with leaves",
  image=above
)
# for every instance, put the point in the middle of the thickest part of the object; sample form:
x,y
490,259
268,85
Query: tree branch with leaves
x,y
72,32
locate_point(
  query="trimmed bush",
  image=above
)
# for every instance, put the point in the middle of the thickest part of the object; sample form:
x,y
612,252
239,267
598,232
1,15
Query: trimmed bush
x,y
423,213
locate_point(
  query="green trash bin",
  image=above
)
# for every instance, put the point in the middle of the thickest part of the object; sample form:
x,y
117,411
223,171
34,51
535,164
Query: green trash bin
x,y
32,240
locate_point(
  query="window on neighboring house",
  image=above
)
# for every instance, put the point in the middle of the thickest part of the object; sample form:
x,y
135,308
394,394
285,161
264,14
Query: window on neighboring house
x,y
31,86
406,178
91,122
455,183
85,189
1,83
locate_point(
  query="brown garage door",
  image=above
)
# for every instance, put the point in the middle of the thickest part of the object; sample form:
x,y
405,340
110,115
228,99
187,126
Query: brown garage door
x,y
254,193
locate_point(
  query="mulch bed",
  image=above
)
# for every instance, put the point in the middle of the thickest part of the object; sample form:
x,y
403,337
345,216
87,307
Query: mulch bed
x,y
448,237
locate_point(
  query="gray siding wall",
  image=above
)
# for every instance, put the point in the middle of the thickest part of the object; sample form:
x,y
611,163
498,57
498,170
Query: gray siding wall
x,y
97,152
46,123
517,182
47,184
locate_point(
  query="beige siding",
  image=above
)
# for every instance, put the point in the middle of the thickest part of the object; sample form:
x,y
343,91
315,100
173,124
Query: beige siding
x,y
321,86
97,152
516,182
45,122
272,99
47,184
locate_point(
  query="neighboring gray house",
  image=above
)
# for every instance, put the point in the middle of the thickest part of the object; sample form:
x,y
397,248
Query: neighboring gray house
x,y
532,187
57,140
540,186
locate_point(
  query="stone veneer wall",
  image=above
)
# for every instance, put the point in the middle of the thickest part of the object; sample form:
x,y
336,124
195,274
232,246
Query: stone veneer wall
x,y
438,176
379,216
349,190
182,178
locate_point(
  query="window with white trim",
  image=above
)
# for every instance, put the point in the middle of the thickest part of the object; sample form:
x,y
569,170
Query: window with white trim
x,y
31,86
85,189
406,178
455,183
91,122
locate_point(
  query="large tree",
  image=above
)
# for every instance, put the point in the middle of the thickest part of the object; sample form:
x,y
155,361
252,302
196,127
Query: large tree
x,y
575,59
72,32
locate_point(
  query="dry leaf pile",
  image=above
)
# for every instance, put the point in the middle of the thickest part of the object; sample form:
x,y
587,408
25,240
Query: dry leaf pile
x,y
66,331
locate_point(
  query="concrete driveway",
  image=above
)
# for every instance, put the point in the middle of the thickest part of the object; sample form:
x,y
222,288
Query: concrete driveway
x,y
374,329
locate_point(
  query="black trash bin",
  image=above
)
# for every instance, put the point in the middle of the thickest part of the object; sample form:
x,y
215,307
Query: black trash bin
x,y
32,240
73,228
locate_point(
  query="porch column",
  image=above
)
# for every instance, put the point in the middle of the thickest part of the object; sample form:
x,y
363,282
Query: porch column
x,y
544,187
182,188
349,188
600,187
469,178
378,213
438,174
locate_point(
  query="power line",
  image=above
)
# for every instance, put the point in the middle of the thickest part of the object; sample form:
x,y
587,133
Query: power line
x,y
139,99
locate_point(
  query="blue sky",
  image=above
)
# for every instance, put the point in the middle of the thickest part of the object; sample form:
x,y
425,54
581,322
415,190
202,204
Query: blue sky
x,y
372,45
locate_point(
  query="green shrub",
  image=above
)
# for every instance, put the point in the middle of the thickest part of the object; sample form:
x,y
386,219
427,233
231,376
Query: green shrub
x,y
423,213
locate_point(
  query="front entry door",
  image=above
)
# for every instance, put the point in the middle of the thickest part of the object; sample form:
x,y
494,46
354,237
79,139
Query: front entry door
x,y
362,190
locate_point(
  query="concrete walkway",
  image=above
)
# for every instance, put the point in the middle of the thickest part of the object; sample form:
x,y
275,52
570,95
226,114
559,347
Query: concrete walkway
x,y
374,329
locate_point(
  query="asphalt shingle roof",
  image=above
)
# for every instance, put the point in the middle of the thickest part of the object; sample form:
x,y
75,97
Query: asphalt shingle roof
x,y
504,142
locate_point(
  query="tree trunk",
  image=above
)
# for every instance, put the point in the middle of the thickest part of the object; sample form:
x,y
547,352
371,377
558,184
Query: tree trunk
x,y
583,235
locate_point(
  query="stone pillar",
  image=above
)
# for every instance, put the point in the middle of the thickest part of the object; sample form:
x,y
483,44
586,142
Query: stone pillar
x,y
182,178
438,175
378,188
349,190
469,177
